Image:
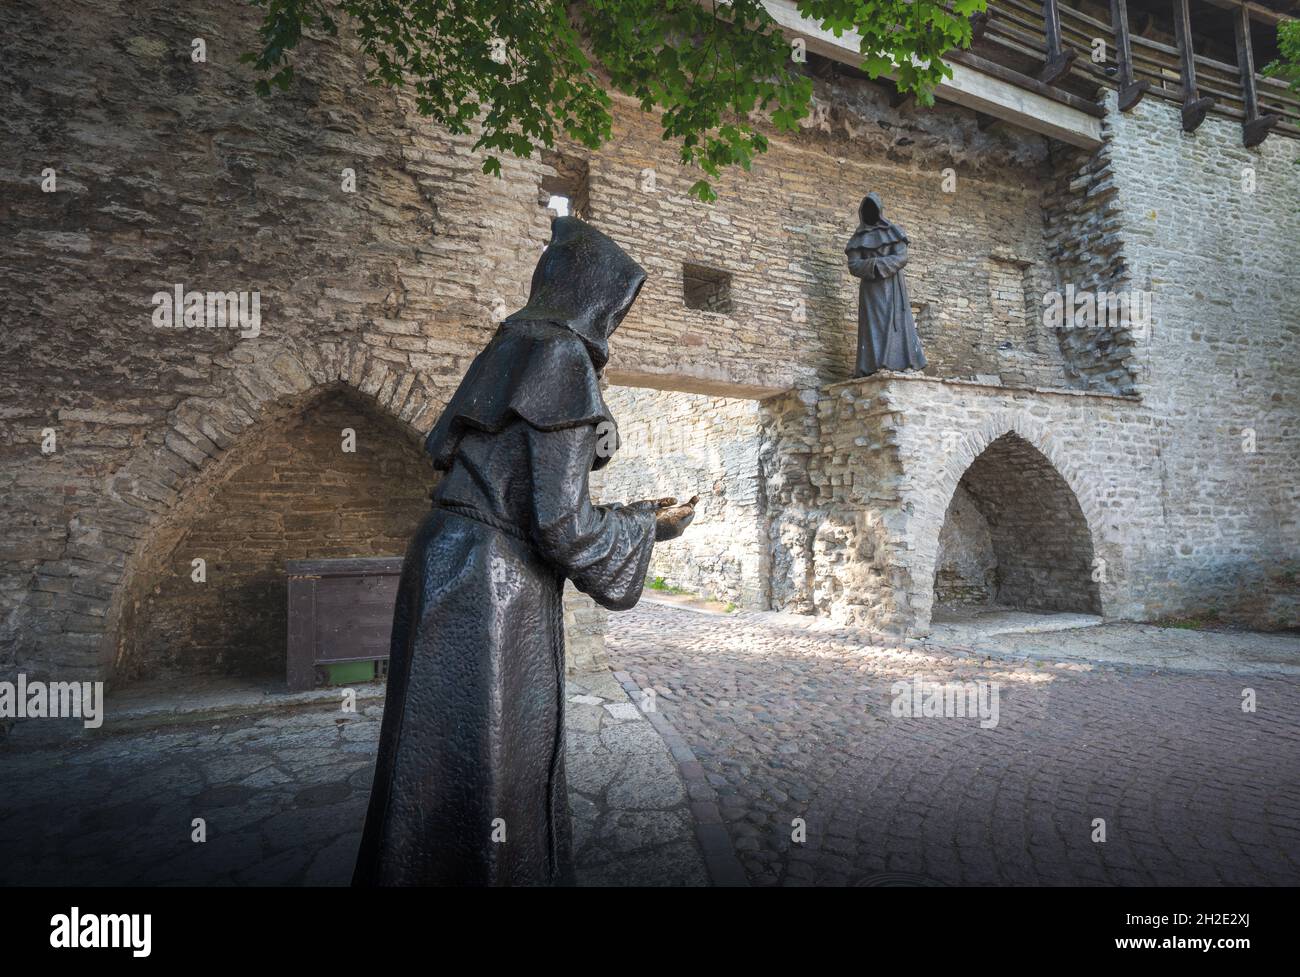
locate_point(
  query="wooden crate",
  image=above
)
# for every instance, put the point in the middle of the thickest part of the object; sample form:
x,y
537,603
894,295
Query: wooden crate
x,y
339,611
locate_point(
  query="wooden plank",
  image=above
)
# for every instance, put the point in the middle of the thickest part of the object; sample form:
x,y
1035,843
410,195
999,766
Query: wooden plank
x,y
1275,88
1130,89
995,70
1025,8
1069,13
1261,14
300,669
1195,105
1001,26
1171,53
1058,59
354,617
357,566
1228,69
1256,127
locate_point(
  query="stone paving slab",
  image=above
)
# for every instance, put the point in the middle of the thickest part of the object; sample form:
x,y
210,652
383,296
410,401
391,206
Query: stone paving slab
x,y
1142,645
283,792
794,725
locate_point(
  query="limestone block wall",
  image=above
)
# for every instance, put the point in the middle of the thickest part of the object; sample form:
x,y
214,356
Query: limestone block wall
x,y
169,171
683,444
1213,230
887,459
174,172
833,475
1084,220
1042,547
966,563
585,622
977,267
1188,484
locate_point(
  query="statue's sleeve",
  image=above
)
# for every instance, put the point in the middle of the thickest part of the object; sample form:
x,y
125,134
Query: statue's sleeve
x,y
605,551
890,264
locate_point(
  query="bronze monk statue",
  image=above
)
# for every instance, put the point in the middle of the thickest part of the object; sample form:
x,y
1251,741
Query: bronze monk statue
x,y
469,783
877,253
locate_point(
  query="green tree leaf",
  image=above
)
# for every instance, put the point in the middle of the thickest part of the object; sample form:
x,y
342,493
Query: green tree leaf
x,y
529,74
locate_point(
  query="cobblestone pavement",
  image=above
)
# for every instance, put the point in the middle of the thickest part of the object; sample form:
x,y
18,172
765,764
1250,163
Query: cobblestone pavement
x,y
1081,637
283,794
794,721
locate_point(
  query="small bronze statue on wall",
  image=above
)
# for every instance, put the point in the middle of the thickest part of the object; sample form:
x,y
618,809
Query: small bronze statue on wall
x,y
877,253
469,782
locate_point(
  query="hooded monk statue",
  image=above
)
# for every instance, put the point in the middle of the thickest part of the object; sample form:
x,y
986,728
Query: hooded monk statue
x,y
469,783
877,253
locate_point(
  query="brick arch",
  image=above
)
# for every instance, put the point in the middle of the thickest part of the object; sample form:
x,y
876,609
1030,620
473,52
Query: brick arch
x,y
143,502
967,451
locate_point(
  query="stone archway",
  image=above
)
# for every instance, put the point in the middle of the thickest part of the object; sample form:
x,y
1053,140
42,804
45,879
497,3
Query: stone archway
x,y
328,475
71,626
1015,535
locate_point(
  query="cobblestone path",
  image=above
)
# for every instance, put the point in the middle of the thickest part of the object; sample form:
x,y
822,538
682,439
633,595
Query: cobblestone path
x,y
792,721
283,794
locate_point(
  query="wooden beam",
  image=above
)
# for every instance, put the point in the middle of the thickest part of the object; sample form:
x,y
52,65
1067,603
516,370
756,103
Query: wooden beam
x,y
1261,14
1130,91
1059,58
1256,127
1194,106
995,70
975,83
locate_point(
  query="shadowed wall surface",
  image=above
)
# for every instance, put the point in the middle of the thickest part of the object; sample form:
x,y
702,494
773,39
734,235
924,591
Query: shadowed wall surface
x,y
291,493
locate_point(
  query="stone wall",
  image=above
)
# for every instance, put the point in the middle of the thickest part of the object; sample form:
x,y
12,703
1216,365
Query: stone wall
x,y
966,564
1221,366
170,171
1084,223
292,493
1042,549
861,477
584,633
977,265
683,444
1188,482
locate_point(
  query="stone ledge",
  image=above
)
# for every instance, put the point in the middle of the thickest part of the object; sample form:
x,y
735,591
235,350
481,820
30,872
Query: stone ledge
x,y
885,376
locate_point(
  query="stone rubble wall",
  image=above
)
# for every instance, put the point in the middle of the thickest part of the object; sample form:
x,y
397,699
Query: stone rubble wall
x,y
1083,221
681,444
966,564
585,623
977,256
884,457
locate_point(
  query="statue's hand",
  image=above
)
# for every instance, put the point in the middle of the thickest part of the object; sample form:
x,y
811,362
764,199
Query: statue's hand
x,y
651,505
671,521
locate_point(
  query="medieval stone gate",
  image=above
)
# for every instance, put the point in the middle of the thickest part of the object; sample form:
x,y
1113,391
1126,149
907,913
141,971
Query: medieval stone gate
x,y
309,451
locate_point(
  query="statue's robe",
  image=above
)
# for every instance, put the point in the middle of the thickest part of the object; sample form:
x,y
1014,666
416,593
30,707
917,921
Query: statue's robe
x,y
877,254
469,784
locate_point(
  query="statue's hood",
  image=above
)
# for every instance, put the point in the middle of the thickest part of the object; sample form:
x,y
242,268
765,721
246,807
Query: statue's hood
x,y
874,231
585,283
542,365
871,210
